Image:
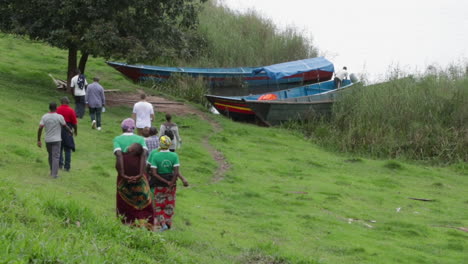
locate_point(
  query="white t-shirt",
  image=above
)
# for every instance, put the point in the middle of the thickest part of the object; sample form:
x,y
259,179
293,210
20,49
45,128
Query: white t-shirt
x,y
341,74
143,112
77,90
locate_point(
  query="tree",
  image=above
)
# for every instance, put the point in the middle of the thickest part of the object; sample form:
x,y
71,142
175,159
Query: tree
x,y
134,30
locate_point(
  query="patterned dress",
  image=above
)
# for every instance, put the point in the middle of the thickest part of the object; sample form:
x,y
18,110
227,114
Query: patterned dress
x,y
164,197
134,200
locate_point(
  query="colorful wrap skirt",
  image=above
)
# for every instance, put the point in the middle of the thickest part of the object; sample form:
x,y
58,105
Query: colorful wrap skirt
x,y
164,204
134,199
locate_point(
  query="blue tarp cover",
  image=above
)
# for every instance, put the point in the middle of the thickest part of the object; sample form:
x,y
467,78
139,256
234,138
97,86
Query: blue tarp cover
x,y
278,71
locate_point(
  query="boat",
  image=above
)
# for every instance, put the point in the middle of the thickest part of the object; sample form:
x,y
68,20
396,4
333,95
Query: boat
x,y
271,113
239,108
272,77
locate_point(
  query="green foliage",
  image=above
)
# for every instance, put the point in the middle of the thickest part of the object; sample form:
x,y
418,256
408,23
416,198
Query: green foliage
x,y
423,118
248,39
226,38
133,30
188,88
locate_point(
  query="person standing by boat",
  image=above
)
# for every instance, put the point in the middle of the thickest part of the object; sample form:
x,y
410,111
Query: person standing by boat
x,y
53,123
165,167
171,130
340,76
133,198
143,114
96,100
68,143
78,85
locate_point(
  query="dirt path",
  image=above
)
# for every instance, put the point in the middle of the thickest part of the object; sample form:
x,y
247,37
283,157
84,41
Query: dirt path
x,y
177,108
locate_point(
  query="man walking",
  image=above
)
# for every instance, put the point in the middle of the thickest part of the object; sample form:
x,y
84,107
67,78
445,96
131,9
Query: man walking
x,y
53,123
143,114
68,143
78,85
96,100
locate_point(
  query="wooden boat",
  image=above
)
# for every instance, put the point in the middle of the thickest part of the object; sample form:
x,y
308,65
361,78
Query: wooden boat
x,y
273,113
295,72
238,108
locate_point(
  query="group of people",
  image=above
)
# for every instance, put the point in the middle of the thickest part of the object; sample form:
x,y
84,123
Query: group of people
x,y
146,162
61,123
147,169
146,178
91,95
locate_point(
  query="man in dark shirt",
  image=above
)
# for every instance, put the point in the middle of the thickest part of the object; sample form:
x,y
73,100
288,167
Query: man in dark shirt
x,y
68,143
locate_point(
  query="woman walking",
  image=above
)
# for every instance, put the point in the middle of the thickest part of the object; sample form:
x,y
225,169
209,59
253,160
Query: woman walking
x,y
165,168
171,130
134,202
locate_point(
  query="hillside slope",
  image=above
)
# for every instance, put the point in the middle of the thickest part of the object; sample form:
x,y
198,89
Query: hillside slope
x,y
282,200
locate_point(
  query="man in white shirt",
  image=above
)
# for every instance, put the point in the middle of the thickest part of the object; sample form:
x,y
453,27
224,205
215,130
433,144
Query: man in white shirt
x,y
143,114
78,84
340,76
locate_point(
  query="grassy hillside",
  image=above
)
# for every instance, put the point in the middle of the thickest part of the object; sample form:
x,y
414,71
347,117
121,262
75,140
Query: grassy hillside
x,y
283,199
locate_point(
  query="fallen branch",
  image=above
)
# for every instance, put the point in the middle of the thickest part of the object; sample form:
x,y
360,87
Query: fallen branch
x,y
61,84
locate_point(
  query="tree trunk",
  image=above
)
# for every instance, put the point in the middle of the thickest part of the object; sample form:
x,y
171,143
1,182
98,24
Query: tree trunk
x,y
83,60
72,55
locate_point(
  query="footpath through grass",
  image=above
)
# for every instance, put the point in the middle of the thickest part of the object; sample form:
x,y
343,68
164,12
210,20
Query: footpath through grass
x,y
283,200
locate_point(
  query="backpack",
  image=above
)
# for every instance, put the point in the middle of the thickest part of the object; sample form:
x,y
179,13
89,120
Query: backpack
x,y
81,81
168,132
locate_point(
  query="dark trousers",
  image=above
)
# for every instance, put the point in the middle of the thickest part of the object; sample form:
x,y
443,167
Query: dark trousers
x,y
337,82
95,113
80,105
53,149
65,162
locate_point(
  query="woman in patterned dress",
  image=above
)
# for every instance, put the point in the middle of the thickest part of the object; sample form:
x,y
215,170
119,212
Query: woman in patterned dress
x,y
134,198
165,168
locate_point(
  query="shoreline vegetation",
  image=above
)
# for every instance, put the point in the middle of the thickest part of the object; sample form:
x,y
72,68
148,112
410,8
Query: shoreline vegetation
x,y
423,118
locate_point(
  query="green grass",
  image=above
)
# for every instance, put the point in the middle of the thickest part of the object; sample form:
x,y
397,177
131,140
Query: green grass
x,y
283,200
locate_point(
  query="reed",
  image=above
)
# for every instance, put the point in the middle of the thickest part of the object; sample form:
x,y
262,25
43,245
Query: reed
x,y
188,88
423,117
235,39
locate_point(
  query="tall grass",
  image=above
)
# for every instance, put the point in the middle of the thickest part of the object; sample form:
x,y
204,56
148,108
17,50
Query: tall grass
x,y
188,88
418,117
234,39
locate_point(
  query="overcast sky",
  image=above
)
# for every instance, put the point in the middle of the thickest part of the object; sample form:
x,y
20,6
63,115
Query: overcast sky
x,y
369,36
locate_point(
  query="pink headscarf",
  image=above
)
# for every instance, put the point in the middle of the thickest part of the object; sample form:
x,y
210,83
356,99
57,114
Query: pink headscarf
x,y
128,125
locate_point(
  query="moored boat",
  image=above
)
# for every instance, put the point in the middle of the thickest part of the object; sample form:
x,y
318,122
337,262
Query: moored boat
x,y
272,77
237,107
275,112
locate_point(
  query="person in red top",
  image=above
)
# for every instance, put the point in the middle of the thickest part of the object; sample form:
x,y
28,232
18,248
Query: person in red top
x,y
68,144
